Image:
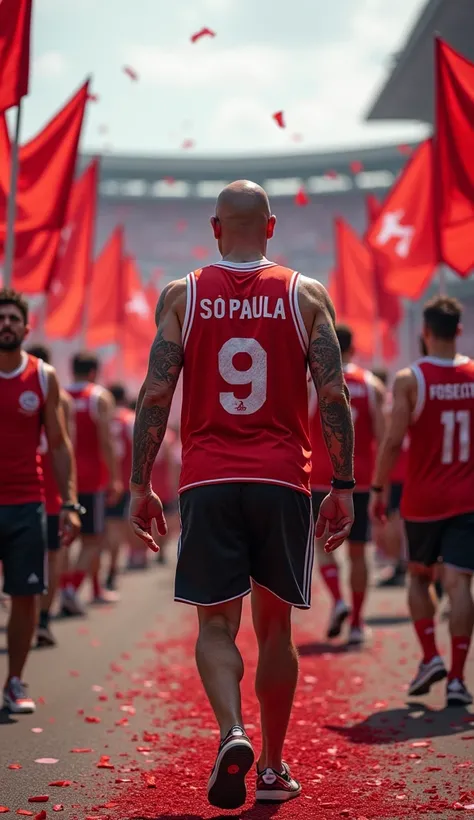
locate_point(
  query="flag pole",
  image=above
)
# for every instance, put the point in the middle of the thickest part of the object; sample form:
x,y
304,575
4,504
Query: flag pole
x,y
11,207
435,171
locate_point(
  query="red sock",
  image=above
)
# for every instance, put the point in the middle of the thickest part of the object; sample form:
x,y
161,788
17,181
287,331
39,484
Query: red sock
x,y
426,635
78,577
67,579
357,601
330,575
459,650
96,588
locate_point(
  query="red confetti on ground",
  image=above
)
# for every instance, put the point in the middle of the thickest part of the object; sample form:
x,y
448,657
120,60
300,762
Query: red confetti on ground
x,y
104,763
15,766
25,812
61,784
81,751
92,719
41,815
58,807
204,32
279,118
4,809
39,798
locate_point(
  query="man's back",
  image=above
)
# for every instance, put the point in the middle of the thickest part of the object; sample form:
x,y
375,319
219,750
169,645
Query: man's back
x,y
91,470
440,474
245,407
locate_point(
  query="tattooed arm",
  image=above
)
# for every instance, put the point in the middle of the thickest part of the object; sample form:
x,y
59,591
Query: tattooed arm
x,y
153,408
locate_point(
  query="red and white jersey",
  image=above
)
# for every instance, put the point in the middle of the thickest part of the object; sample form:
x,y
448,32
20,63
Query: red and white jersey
x,y
22,398
440,475
91,469
52,497
360,384
245,401
122,435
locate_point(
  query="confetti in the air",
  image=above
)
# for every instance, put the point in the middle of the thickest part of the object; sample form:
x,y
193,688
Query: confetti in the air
x,y
204,32
279,118
130,72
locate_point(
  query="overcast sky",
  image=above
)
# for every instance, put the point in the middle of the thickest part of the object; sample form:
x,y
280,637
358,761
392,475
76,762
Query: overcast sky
x,y
320,61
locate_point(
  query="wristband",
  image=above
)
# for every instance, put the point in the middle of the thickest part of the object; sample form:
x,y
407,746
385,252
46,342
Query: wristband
x,y
74,508
338,484
376,489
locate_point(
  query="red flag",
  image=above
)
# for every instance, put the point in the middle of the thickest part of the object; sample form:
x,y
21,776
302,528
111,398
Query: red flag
x,y
454,146
72,272
46,175
15,25
373,208
279,118
204,32
35,254
105,305
139,324
403,238
354,287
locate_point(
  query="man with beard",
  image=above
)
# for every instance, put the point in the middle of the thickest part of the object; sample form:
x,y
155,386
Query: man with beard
x,y
30,402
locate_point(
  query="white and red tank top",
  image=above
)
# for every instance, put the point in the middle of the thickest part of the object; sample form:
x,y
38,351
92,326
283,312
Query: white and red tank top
x,y
122,435
360,383
245,402
92,472
439,481
22,398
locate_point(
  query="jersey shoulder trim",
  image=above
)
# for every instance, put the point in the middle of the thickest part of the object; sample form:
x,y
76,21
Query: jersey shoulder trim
x,y
190,306
296,312
420,390
43,377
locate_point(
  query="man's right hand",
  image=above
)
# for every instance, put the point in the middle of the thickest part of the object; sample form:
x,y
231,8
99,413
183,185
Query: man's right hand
x,y
145,506
336,515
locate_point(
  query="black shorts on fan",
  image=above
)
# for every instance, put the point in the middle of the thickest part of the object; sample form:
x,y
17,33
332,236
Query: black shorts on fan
x,y
450,540
93,520
23,545
236,533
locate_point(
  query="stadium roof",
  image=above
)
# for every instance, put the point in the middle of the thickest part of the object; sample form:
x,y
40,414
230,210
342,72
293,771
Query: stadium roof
x,y
194,168
408,93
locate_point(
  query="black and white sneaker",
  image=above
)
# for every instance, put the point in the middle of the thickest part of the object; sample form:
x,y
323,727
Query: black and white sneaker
x,y
457,693
277,787
339,614
44,637
16,699
428,674
226,787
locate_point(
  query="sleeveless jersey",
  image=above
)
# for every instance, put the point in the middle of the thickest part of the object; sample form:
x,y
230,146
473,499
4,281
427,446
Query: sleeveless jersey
x,y
122,434
360,385
23,395
52,497
440,475
245,402
91,469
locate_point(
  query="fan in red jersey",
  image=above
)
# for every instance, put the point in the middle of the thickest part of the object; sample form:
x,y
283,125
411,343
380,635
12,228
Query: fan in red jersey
x,y
118,527
97,474
29,401
433,400
244,330
44,636
367,398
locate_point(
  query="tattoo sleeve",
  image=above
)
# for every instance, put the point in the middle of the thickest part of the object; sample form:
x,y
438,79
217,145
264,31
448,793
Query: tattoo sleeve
x,y
333,396
166,359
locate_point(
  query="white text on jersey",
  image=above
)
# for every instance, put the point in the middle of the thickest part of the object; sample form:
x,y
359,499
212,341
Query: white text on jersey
x,y
258,307
446,392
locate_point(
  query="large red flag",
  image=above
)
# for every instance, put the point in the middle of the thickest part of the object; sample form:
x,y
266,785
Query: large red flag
x,y
35,255
139,324
403,238
105,302
353,286
15,25
46,172
454,146
66,297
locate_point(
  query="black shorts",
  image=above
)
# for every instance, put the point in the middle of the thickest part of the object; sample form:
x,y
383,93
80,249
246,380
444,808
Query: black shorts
x,y
360,528
23,548
93,521
450,540
233,533
119,510
54,542
170,507
395,497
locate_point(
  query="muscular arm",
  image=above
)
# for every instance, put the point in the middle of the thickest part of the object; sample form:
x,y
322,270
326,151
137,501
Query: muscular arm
x,y
404,398
59,443
378,410
328,377
164,367
105,410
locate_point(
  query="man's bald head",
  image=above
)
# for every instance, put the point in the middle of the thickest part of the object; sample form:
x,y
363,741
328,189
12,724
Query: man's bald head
x,y
242,199
243,217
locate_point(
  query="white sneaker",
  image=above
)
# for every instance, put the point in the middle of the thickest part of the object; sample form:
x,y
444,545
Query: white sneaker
x,y
338,615
15,698
70,604
358,635
457,693
428,674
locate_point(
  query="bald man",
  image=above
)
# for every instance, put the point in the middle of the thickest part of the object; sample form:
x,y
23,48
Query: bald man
x,y
245,330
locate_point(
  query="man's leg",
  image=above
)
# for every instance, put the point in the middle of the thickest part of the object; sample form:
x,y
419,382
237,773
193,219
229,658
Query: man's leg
x,y
219,661
358,565
277,673
20,631
44,635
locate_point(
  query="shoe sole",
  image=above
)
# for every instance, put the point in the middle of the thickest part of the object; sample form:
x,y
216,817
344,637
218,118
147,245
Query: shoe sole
x,y
14,711
276,796
458,700
45,643
226,788
336,630
424,686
